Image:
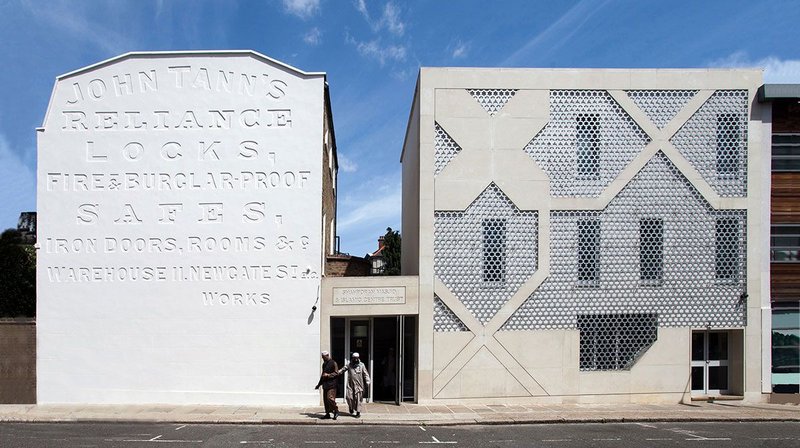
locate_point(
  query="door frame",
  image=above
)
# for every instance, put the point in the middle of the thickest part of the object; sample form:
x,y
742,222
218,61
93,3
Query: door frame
x,y
706,363
348,333
400,359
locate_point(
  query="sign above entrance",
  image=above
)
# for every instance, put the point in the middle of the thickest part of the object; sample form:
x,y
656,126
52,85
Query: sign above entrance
x,y
369,296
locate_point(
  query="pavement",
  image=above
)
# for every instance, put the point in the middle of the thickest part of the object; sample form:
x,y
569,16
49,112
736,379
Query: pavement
x,y
408,414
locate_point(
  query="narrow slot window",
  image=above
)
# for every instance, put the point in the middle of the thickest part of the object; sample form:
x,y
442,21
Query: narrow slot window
x,y
727,248
730,140
587,138
494,250
651,250
588,252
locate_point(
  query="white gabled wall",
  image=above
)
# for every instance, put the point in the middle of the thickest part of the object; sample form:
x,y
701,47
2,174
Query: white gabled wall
x,y
176,264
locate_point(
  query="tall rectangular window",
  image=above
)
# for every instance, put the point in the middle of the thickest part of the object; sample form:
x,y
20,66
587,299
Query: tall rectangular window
x,y
587,138
494,250
588,252
727,248
651,250
730,140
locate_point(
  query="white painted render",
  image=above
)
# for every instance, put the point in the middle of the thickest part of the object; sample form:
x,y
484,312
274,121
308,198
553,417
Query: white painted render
x,y
174,265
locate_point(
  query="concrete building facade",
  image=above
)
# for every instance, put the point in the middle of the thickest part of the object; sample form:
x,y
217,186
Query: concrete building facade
x,y
588,235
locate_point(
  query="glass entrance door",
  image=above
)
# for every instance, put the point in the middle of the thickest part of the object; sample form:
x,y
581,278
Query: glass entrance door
x,y
387,345
407,373
384,375
710,362
360,341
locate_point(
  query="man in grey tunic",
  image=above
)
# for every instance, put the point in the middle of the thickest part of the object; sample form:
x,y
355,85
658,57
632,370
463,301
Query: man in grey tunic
x,y
357,382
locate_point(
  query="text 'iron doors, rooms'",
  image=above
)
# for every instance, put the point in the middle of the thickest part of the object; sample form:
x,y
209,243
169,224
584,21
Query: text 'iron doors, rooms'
x,y
388,347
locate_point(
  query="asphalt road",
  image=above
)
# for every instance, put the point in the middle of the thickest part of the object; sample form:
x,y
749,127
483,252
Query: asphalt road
x,y
622,435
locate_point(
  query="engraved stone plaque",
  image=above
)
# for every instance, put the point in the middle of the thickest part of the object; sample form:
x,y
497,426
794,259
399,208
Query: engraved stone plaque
x,y
369,296
179,199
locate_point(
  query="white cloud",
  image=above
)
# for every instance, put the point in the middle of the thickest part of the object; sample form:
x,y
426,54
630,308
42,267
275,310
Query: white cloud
x,y
313,36
383,207
387,28
63,18
374,49
382,53
389,20
402,75
776,70
159,8
365,215
461,50
361,6
346,165
303,9
557,34
18,182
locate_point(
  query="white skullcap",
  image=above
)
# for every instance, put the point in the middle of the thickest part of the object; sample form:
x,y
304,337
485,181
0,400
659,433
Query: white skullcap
x,y
324,353
355,355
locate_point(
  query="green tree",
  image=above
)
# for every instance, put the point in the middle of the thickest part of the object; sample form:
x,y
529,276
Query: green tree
x,y
17,276
391,252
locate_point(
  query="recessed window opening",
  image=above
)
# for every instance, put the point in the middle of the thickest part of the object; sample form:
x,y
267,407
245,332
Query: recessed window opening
x,y
587,138
494,250
727,248
588,252
615,341
651,250
730,142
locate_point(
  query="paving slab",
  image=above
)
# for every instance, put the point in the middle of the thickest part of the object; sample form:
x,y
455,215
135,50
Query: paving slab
x,y
406,414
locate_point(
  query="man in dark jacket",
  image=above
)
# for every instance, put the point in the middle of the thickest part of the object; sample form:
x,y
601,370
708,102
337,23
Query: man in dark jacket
x,y
328,382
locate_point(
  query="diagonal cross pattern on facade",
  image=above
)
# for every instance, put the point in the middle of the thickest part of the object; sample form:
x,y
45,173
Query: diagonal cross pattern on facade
x,y
486,150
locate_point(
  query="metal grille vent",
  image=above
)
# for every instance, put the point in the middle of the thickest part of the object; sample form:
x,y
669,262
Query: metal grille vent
x,y
588,141
481,261
661,106
696,288
614,341
492,100
444,319
714,141
445,148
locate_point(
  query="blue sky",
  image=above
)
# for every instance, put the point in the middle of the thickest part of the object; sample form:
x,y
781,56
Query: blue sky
x,y
371,51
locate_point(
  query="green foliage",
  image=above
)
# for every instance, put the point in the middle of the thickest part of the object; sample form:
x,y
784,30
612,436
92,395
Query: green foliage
x,y
17,276
391,252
